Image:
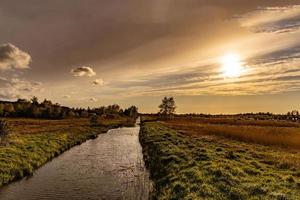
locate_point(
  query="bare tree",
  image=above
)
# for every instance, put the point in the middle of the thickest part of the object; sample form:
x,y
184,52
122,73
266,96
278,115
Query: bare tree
x,y
167,107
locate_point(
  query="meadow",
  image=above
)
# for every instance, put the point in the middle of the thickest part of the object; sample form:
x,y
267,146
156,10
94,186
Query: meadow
x,y
33,142
220,159
276,133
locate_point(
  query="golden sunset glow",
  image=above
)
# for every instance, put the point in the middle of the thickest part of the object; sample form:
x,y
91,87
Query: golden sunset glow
x,y
232,65
136,52
163,99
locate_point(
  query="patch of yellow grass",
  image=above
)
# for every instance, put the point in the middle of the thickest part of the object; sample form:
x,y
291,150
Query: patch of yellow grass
x,y
286,136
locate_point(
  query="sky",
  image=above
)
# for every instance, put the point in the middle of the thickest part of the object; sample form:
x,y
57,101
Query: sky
x,y
213,56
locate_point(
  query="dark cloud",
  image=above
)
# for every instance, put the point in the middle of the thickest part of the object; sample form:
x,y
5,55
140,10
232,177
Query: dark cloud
x,y
12,57
281,56
289,78
126,39
282,26
83,71
98,31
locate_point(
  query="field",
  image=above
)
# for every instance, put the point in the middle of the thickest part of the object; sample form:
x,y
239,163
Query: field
x,y
33,142
277,133
215,159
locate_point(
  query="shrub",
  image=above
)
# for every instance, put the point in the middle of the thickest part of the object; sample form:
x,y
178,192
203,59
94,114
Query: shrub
x,y
4,129
94,120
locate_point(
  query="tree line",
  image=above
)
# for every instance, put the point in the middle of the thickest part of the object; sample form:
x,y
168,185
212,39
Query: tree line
x,y
290,116
47,110
167,109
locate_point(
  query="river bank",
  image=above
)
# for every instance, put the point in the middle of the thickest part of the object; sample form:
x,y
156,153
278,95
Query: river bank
x,y
108,167
194,165
32,142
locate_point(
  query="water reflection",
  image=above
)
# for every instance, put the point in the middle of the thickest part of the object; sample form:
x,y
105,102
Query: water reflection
x,y
109,167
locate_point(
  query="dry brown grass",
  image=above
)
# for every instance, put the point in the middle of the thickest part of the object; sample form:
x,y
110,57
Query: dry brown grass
x,y
282,135
238,121
38,126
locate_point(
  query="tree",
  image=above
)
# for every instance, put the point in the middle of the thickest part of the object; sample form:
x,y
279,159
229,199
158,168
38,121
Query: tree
x,y
35,111
70,114
34,100
293,115
112,109
131,112
167,107
23,100
84,113
46,109
46,103
9,110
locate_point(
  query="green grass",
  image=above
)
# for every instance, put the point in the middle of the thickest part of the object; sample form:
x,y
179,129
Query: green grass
x,y
208,167
34,142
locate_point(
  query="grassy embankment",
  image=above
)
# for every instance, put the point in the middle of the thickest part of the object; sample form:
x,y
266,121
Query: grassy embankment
x,y
188,163
33,142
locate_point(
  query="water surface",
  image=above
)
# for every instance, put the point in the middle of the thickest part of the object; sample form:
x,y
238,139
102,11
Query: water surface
x,y
109,167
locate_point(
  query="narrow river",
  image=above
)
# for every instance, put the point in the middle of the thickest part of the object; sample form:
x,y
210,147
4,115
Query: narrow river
x,y
109,167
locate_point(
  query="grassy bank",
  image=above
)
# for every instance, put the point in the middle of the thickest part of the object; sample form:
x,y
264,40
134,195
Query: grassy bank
x,y
205,166
34,142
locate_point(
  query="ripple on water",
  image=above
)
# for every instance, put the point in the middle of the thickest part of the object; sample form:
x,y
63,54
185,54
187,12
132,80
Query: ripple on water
x,y
109,167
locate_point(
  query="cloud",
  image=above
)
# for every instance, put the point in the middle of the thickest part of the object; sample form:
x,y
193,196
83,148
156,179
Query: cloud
x,y
93,99
3,81
274,73
282,26
273,19
15,88
12,57
8,95
83,71
98,82
169,79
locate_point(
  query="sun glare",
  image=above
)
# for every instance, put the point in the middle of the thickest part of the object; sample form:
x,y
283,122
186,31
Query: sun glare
x,y
232,65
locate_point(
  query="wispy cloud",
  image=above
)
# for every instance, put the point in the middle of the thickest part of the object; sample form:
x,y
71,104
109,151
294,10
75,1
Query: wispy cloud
x,y
272,73
15,88
273,19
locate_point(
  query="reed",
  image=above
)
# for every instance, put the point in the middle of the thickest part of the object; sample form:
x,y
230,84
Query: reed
x,y
286,136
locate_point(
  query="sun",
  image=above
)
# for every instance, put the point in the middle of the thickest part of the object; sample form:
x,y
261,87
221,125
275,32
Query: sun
x,y
232,65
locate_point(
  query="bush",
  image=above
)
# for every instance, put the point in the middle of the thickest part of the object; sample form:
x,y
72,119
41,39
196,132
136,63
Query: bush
x,y
94,120
4,129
